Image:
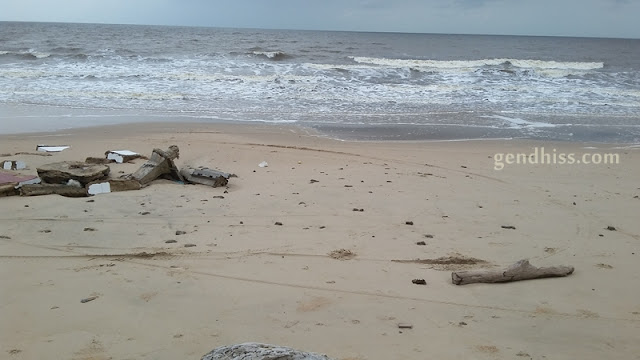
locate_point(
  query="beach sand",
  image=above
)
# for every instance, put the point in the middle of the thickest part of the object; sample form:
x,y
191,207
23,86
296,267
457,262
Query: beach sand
x,y
247,279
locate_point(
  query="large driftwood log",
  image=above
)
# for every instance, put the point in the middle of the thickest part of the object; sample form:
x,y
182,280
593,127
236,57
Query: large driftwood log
x,y
48,189
257,351
160,164
521,270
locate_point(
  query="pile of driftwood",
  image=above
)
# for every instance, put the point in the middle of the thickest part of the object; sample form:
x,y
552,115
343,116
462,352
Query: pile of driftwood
x,y
93,176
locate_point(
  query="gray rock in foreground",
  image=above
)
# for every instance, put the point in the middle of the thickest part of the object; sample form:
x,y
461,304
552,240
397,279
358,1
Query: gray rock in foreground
x,y
257,351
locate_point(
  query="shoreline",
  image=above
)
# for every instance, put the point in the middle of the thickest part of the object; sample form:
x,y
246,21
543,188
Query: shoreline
x,y
34,119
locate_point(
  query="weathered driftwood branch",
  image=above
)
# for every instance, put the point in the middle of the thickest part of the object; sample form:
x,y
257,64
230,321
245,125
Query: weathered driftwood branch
x,y
521,270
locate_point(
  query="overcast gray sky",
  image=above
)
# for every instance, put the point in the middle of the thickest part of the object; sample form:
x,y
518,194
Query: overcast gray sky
x,y
604,18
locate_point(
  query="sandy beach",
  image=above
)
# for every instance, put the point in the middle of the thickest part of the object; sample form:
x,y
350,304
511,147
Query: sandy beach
x,y
248,279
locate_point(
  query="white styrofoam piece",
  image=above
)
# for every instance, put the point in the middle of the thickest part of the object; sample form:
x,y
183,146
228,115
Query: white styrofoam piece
x,y
99,188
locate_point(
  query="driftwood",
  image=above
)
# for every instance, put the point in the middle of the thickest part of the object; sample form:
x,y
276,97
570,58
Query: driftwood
x,y
521,270
257,351
48,189
160,164
205,176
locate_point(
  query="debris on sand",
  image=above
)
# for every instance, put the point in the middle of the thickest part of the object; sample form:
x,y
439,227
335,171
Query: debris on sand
x,y
248,351
446,263
342,254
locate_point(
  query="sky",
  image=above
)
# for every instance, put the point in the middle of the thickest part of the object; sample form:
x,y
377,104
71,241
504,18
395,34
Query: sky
x,y
588,18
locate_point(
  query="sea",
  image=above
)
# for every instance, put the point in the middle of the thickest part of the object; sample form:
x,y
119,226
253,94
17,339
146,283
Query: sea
x,y
347,85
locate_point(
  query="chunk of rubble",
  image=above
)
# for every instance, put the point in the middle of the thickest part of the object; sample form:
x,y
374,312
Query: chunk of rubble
x,y
205,176
49,189
62,172
257,351
159,165
10,183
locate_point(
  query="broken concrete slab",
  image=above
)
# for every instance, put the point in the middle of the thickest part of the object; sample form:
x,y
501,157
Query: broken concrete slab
x,y
205,176
159,165
48,189
62,172
8,190
17,180
257,351
52,148
122,156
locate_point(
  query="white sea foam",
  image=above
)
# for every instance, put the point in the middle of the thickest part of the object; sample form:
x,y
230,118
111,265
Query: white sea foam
x,y
474,64
517,123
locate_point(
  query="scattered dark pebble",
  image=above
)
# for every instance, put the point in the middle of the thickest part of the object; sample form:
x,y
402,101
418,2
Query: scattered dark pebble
x,y
89,229
91,200
419,281
5,237
313,181
574,203
278,223
388,181
405,326
218,197
145,213
408,222
601,235
462,323
26,206
611,228
241,222
171,241
348,186
86,300
508,227
189,245
45,231
322,227
421,243
302,203
225,192
180,232
462,166
428,236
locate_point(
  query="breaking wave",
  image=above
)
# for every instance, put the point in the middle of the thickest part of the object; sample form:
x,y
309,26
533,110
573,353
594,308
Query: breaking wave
x,y
475,64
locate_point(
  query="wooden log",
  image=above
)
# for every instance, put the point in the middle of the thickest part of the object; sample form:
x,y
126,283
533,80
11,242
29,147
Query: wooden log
x,y
48,189
160,164
205,176
521,270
